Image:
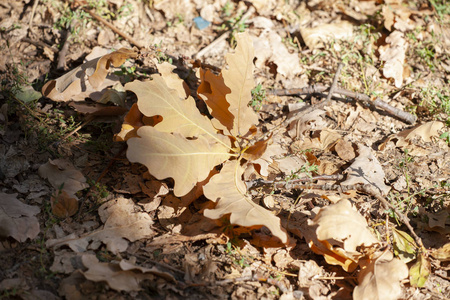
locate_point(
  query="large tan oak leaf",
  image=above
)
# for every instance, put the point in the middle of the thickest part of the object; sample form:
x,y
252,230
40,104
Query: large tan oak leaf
x,y
380,280
229,192
239,79
179,115
342,230
171,155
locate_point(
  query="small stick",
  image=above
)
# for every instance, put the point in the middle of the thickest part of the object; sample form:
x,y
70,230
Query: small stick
x,y
361,98
322,103
261,182
370,189
39,44
111,26
33,11
225,35
63,53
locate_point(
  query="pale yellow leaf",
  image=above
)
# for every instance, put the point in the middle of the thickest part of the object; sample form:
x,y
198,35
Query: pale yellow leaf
x,y
167,155
380,280
228,190
123,222
443,253
179,115
423,131
393,54
366,169
239,78
172,80
273,49
318,36
17,219
342,226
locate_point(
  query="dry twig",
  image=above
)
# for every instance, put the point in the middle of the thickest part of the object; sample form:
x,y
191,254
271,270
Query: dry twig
x,y
361,98
111,26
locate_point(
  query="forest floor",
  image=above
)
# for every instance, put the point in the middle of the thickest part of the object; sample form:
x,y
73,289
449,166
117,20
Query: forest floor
x,y
122,234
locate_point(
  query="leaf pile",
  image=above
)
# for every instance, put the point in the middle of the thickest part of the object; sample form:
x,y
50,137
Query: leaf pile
x,y
185,145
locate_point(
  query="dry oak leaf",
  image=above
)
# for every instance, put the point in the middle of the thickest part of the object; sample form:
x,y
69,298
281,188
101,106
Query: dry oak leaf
x,y
228,190
167,155
173,81
179,115
366,169
381,279
123,276
84,81
317,37
341,226
123,222
132,121
17,220
443,253
213,91
274,50
239,78
393,54
404,138
62,174
63,205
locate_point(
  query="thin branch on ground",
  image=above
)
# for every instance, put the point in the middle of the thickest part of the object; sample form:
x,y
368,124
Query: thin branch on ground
x,y
61,64
39,44
369,189
111,26
279,184
363,99
321,104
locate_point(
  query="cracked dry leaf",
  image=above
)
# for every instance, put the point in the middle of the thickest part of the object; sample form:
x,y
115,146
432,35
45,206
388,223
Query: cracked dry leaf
x,y
62,175
443,253
123,222
393,54
239,78
17,220
88,79
366,169
167,155
323,141
123,276
405,138
342,230
272,48
317,37
381,279
228,190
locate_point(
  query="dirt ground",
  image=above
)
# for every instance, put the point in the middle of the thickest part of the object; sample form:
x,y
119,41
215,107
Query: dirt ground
x,y
79,221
